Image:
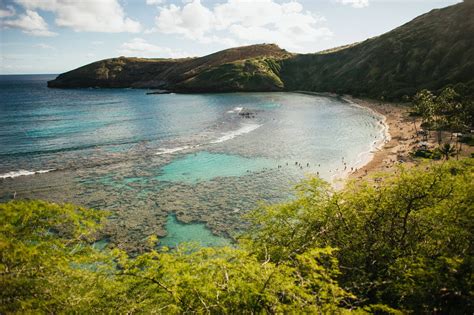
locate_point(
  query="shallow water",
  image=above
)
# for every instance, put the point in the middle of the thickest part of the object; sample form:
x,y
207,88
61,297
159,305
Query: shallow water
x,y
195,157
189,233
202,166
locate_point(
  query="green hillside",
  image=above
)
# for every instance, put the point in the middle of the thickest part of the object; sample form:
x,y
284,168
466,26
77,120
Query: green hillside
x,y
256,74
431,51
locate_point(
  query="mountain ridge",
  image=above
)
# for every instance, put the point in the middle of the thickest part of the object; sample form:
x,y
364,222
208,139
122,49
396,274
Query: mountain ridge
x,y
431,51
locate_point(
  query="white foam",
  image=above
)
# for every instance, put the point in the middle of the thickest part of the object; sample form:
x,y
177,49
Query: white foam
x,y
18,173
236,110
246,128
172,150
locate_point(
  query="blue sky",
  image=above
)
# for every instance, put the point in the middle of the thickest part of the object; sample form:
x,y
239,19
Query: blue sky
x,y
54,36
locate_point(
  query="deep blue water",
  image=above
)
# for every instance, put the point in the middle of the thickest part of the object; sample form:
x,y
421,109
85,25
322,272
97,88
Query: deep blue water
x,y
150,157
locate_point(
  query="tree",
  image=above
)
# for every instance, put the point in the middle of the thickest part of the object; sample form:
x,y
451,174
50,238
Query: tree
x,y
424,105
447,150
406,242
447,111
46,262
47,265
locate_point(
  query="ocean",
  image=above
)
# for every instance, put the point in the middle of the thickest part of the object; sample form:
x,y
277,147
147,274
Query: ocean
x,y
184,167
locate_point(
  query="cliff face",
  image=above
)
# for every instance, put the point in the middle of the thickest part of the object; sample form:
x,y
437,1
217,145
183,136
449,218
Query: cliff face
x,y
431,51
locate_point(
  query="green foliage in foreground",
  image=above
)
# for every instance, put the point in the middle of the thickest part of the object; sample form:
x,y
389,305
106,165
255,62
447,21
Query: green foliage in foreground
x,y
47,266
405,243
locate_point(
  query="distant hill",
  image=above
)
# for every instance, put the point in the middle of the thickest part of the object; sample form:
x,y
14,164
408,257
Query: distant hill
x,y
431,51
173,74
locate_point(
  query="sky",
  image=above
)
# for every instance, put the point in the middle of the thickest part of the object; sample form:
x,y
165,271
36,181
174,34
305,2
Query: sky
x,y
54,36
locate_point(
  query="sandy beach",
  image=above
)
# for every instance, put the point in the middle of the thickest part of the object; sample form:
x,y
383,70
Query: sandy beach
x,y
403,138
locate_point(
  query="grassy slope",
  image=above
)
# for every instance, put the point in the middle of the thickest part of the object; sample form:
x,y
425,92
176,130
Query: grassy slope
x,y
256,74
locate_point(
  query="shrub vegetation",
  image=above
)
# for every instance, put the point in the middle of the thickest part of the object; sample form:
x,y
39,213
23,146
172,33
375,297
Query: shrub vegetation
x,y
403,243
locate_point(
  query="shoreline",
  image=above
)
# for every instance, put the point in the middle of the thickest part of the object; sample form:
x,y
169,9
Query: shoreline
x,y
394,118
366,157
400,142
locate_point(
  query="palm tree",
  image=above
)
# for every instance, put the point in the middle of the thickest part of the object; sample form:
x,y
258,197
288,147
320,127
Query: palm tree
x,y
425,106
447,150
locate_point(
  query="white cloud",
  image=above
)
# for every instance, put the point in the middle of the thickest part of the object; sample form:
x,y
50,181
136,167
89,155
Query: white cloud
x,y
90,16
30,23
139,47
9,11
155,2
287,24
192,20
355,3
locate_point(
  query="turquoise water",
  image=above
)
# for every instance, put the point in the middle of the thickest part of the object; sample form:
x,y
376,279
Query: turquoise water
x,y
190,233
204,166
146,157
